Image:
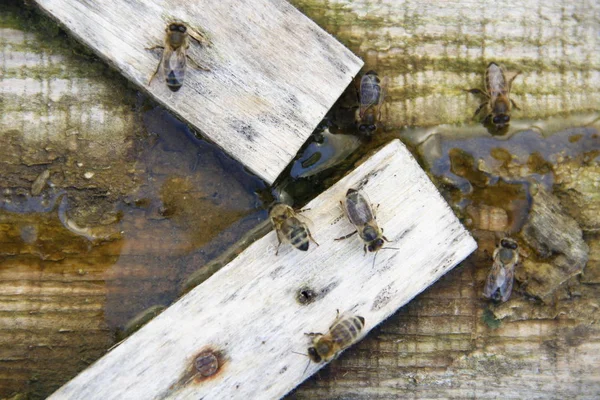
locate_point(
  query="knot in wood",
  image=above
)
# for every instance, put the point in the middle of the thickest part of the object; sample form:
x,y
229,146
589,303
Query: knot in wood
x,y
206,364
305,295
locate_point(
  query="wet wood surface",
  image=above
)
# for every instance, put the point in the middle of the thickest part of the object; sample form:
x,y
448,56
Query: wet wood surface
x,y
89,179
268,86
248,314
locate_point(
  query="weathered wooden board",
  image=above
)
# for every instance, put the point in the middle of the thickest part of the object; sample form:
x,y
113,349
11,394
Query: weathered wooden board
x,y
273,72
248,311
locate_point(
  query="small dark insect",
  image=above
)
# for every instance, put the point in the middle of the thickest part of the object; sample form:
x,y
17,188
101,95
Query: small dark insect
x,y
342,334
289,228
359,212
497,93
174,57
500,280
370,95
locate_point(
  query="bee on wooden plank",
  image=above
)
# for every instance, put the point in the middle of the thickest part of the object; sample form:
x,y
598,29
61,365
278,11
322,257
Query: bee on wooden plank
x,y
371,95
174,56
358,210
342,334
502,275
289,228
497,94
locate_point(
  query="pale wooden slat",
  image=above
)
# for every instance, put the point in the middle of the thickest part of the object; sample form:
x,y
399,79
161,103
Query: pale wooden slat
x,y
248,309
274,73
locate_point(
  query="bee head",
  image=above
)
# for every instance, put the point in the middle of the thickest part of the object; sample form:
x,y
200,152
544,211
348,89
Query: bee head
x,y
314,355
375,245
177,28
501,120
367,128
508,244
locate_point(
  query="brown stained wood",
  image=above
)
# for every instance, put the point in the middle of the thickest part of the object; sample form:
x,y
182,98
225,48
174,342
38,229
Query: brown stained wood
x,y
273,72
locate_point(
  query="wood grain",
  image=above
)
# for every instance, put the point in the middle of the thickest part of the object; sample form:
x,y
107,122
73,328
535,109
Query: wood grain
x,y
432,50
248,313
273,72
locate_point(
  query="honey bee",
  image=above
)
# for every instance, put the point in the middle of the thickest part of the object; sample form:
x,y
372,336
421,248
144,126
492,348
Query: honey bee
x,y
289,228
359,212
174,56
497,92
370,95
342,334
500,280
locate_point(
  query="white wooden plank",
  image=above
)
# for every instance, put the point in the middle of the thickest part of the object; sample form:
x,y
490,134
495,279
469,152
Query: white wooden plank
x,y
273,72
248,310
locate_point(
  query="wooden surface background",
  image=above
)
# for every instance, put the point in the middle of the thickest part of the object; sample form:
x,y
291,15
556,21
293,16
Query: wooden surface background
x,y
248,312
273,72
432,50
442,345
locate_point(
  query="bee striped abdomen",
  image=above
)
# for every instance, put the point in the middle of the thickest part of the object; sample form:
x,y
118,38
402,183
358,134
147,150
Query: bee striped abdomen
x,y
172,82
299,238
346,331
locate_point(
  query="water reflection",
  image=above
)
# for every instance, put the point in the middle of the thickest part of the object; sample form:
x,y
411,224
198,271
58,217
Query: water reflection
x,y
192,203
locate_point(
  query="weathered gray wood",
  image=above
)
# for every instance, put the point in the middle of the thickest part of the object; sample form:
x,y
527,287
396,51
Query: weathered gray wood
x,y
248,310
273,72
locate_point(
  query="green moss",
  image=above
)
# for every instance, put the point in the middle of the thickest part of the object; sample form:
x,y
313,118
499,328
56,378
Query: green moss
x,y
463,164
537,164
501,154
575,138
490,320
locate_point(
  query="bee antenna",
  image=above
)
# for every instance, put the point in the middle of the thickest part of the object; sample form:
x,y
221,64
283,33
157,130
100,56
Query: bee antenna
x,y
306,369
374,260
307,365
389,248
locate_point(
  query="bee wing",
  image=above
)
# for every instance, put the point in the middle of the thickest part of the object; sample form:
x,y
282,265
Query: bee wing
x,y
495,279
174,64
358,208
384,85
507,284
369,93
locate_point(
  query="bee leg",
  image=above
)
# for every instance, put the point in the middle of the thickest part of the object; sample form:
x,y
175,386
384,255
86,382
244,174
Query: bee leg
x,y
514,104
365,250
347,236
479,109
158,66
311,238
337,318
384,238
199,37
313,334
476,91
513,78
278,243
154,74
196,65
